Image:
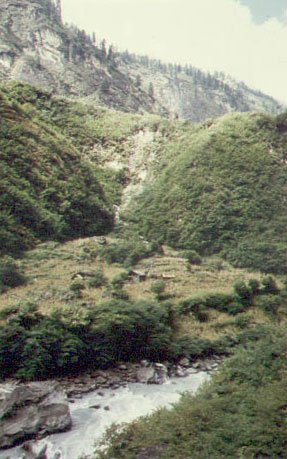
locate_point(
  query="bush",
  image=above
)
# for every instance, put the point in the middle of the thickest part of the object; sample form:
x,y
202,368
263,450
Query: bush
x,y
219,301
254,286
98,280
158,288
235,308
201,314
191,347
242,321
270,286
34,346
118,281
10,275
269,304
77,286
191,305
127,252
243,292
132,330
192,257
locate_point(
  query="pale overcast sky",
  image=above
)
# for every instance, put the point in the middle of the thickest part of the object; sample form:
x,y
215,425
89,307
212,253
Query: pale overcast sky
x,y
244,38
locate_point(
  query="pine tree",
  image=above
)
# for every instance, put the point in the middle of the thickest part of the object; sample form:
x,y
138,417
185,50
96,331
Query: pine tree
x,y
151,90
59,9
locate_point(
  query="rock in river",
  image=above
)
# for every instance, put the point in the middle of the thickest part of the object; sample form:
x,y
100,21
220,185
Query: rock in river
x,y
31,411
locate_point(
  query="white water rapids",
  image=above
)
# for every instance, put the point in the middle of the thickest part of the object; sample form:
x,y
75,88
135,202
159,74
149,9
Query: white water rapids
x,y
120,405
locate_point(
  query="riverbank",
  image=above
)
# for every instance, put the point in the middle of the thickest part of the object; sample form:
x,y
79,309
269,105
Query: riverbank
x,y
94,412
96,391
125,373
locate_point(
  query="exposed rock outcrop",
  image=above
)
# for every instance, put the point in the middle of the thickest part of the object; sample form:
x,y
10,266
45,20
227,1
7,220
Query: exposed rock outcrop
x,y
30,411
37,48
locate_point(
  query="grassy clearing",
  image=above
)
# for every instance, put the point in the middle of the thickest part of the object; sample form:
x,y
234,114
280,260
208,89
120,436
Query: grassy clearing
x,y
51,267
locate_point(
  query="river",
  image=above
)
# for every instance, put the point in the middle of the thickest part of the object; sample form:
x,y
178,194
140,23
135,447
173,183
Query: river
x,y
93,413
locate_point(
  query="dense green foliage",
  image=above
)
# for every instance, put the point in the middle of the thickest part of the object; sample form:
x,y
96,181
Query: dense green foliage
x,y
10,275
224,191
47,189
266,296
36,346
54,182
128,252
242,413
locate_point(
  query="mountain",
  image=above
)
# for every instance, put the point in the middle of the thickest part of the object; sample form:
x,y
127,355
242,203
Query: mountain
x,y
48,190
190,94
64,164
222,189
37,48
70,169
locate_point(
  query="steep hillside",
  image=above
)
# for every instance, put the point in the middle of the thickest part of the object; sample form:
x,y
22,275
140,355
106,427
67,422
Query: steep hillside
x,y
190,94
37,48
65,165
223,190
217,188
240,414
48,190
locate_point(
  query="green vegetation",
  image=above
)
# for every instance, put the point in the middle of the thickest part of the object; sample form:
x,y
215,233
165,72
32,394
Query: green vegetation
x,y
37,346
216,193
241,413
224,191
10,275
72,338
128,252
48,191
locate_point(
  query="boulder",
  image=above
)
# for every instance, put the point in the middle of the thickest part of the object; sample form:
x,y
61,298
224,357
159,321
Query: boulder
x,y
32,450
145,375
184,362
32,411
155,373
180,372
161,373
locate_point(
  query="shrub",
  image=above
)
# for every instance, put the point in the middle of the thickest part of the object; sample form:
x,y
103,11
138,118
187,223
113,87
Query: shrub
x,y
192,347
158,288
270,286
98,280
191,305
192,257
243,292
201,314
77,286
132,330
234,308
242,321
254,286
269,304
10,275
219,301
127,252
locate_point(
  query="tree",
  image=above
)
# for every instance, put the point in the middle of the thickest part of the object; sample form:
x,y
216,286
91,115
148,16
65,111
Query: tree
x,y
59,9
151,90
138,81
104,47
110,52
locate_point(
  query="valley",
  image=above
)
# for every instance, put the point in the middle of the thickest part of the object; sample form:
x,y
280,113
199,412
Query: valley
x,y
143,225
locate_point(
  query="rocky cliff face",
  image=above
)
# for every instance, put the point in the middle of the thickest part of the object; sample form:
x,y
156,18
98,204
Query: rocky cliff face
x,y
37,48
190,94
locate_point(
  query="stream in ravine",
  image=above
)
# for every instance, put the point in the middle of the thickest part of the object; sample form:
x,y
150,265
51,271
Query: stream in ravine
x,y
93,413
